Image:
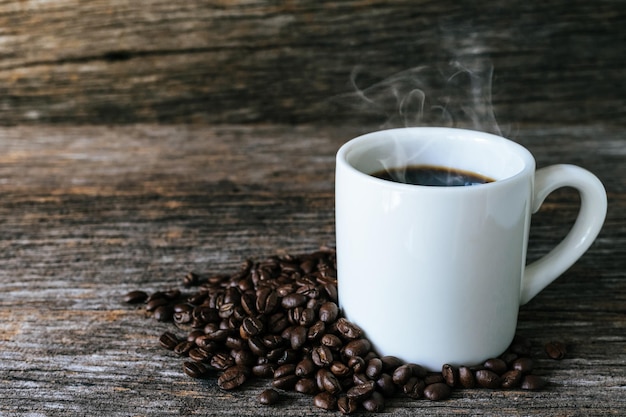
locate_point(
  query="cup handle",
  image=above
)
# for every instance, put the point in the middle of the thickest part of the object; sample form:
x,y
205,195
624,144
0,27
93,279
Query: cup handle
x,y
593,206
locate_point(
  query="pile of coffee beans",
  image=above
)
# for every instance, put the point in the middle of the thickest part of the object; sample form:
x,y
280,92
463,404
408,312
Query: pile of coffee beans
x,y
278,319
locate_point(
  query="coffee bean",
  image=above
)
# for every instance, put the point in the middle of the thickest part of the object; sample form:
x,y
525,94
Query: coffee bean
x,y
329,381
134,297
414,387
555,350
298,337
340,369
328,312
252,326
402,374
357,364
437,392
222,361
306,386
198,354
325,401
322,356
332,341
466,377
268,397
385,385
511,379
374,368
293,300
168,340
390,363
194,369
266,300
285,382
496,365
155,303
433,378
358,347
375,403
347,329
524,365
487,379
232,377
347,405
183,348
450,375
265,370
533,382
286,369
361,391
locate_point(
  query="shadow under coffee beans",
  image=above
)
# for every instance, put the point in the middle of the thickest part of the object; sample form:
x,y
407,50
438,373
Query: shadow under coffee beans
x,y
429,175
278,319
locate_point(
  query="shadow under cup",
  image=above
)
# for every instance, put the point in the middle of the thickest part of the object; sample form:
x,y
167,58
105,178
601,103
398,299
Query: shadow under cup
x,y
432,274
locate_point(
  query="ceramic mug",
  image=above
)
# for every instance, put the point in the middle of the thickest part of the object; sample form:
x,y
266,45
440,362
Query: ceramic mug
x,y
436,274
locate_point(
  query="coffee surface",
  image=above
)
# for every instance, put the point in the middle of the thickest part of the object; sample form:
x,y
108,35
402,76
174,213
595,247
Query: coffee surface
x,y
429,175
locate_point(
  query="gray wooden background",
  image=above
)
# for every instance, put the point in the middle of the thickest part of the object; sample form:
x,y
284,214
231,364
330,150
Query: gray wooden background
x,y
115,61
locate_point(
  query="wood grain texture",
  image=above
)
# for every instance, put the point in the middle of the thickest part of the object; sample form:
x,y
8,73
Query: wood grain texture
x,y
247,61
89,213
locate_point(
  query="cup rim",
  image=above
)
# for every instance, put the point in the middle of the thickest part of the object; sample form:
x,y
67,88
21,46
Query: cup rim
x,y
376,136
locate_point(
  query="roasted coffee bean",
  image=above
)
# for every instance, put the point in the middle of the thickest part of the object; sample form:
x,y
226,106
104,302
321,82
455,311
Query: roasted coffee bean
x,y
289,356
434,377
293,300
265,370
251,326
374,368
361,391
325,401
402,374
340,369
322,356
359,378
533,382
310,291
243,357
307,317
168,340
182,317
257,346
524,365
266,300
375,403
277,322
450,375
487,379
204,314
183,348
385,385
555,350
357,364
134,297
331,341
198,354
358,347
347,329
306,386
418,370
285,382
414,387
286,369
316,331
347,405
327,381
232,377
194,369
236,343
437,392
163,313
155,303
298,337
305,367
222,361
511,379
390,363
268,397
328,312
466,377
496,365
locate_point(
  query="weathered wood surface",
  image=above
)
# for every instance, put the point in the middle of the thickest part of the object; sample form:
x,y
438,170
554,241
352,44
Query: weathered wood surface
x,y
117,61
89,213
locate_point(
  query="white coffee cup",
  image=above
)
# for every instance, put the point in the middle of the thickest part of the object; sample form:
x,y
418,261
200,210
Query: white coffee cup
x,y
435,275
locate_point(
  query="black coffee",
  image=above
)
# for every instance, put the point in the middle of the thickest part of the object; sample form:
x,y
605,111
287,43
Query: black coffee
x,y
432,176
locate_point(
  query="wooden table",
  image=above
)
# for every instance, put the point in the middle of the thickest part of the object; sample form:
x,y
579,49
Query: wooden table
x,y
90,213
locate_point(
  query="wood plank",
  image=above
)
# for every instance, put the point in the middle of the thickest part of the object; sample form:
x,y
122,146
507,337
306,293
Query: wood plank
x,y
89,213
116,61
